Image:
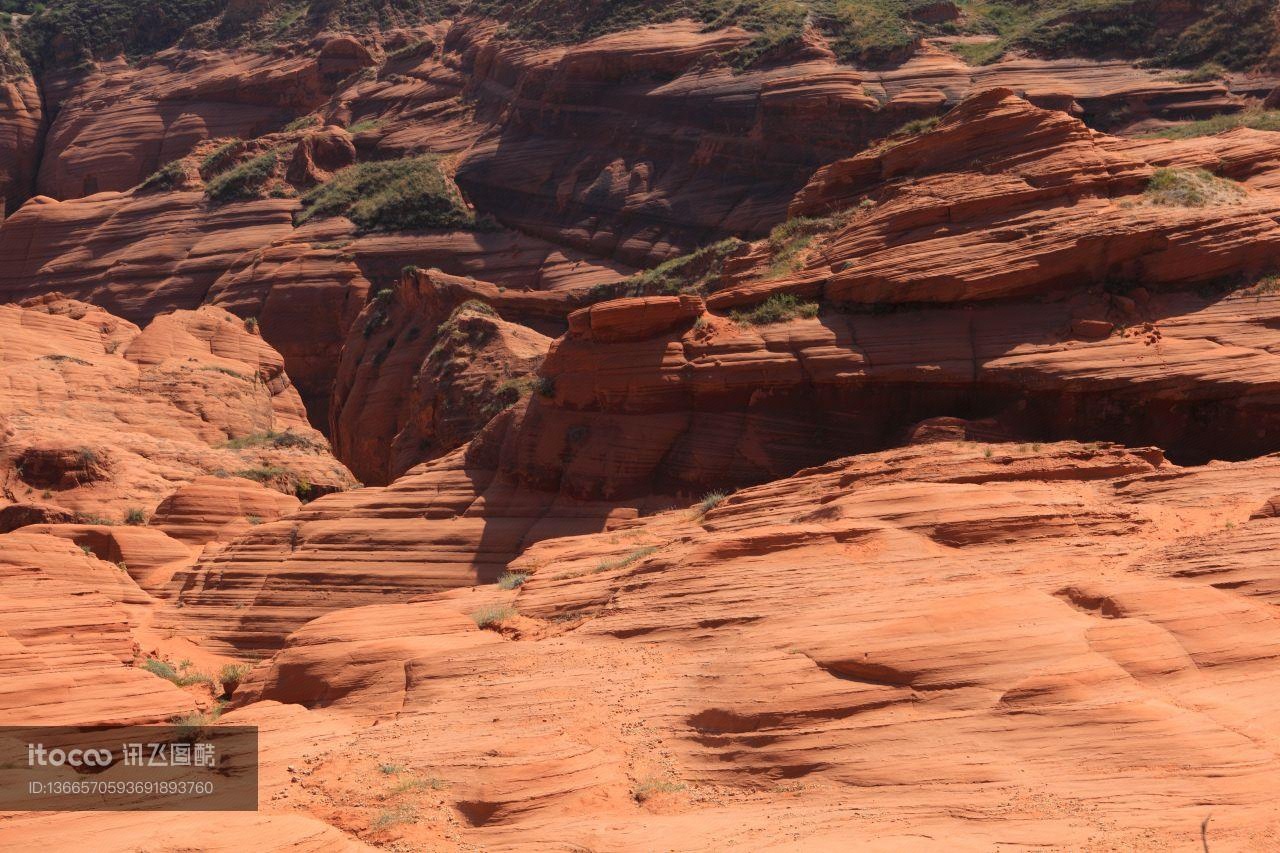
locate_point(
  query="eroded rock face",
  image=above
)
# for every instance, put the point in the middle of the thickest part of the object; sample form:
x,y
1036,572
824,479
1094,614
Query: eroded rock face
x,y
1004,199
446,524
844,627
120,123
693,408
106,420
21,132
137,255
67,622
212,509
425,367
920,624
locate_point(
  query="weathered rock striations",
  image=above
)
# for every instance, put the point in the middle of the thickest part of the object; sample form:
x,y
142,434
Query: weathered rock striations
x,y
105,420
449,523
66,631
21,135
1004,199
426,366
730,677
121,122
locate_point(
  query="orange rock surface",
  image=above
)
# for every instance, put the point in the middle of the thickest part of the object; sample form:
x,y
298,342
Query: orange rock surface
x,y
734,677
931,503
102,419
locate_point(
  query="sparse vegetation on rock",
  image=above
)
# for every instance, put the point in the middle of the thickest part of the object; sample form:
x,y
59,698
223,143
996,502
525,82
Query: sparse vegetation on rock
x,y
1191,188
778,308
391,195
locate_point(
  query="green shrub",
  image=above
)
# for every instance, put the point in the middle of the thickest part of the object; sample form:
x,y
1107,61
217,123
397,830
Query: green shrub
x,y
182,675
626,560
710,501
168,177
287,440
917,126
1206,73
86,29
511,580
651,786
778,308
393,195
303,122
263,473
135,516
493,614
220,158
696,272
245,181
1190,188
231,675
1255,119
508,393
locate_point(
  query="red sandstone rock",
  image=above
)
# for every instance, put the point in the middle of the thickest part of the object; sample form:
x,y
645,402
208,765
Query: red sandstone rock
x,y
1005,199
104,420
424,368
318,155
65,631
634,319
21,130
217,509
1002,598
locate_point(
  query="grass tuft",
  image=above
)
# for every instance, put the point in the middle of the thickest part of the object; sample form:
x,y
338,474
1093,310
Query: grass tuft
x,y
181,675
1191,188
512,580
626,560
270,438
778,308
710,501
393,195
403,813
1257,119
651,787
493,614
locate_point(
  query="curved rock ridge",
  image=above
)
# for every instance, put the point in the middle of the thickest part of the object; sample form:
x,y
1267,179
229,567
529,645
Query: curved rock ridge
x,y
218,509
1005,199
732,676
711,402
118,124
21,134
424,368
67,623
148,555
449,523
106,420
135,254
